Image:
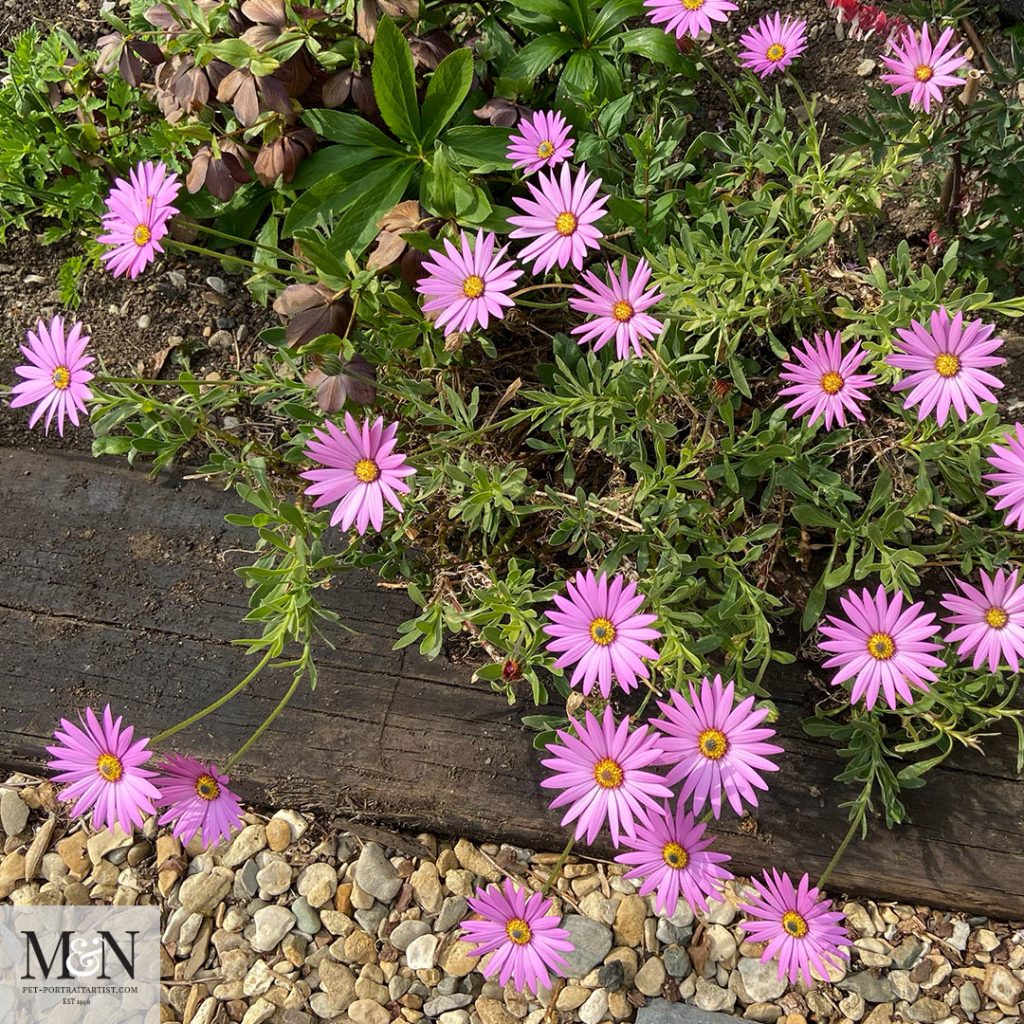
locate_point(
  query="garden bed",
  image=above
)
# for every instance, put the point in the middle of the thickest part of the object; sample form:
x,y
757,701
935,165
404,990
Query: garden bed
x,y
118,588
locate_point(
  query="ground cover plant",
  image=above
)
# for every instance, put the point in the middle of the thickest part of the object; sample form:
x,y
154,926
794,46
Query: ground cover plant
x,y
585,342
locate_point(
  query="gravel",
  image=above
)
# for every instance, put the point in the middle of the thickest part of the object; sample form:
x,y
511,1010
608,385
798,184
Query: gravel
x,y
293,924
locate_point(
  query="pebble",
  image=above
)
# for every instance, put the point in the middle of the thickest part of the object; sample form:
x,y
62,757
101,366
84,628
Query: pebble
x,y
873,989
201,894
307,920
272,924
1001,985
366,1011
376,875
866,68
650,978
759,982
245,845
591,941
421,953
318,883
406,931
594,1009
279,835
274,878
13,812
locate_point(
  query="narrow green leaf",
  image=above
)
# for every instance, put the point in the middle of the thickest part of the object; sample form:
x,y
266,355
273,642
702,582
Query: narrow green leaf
x,y
448,87
538,56
394,82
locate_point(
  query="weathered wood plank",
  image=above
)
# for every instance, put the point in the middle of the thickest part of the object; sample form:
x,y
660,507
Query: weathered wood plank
x,y
117,588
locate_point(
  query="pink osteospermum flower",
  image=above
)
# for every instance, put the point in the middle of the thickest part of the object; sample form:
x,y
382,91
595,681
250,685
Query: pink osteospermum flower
x,y
773,44
198,800
715,747
947,365
56,377
688,17
825,382
800,927
673,857
103,766
543,141
526,940
559,217
617,309
136,219
882,646
604,774
362,471
921,68
989,622
1008,478
468,284
598,629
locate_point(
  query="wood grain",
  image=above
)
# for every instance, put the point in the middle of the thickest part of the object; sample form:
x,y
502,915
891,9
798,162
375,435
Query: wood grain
x,y
117,588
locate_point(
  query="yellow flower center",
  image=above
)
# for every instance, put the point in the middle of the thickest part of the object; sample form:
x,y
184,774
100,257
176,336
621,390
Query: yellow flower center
x,y
794,924
947,364
996,617
713,744
110,767
832,383
622,311
545,150
607,773
518,931
675,856
142,235
566,223
61,378
207,788
366,471
776,51
602,632
693,5
473,286
881,646
923,72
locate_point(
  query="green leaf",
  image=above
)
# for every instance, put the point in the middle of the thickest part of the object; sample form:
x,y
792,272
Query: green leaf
x,y
448,87
652,43
479,147
355,230
336,193
538,56
613,16
349,130
394,82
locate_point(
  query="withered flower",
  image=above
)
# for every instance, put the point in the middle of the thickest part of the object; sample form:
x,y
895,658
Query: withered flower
x,y
369,11
401,219
248,94
128,55
312,310
184,86
353,381
270,19
220,174
428,51
501,112
281,158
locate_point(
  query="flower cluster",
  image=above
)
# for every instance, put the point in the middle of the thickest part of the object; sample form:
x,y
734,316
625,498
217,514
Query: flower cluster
x,y
105,768
947,364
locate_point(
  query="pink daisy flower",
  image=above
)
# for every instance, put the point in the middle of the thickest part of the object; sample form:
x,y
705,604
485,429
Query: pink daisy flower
x,y
136,219
688,17
882,646
825,382
543,141
560,219
362,471
801,929
527,941
55,375
468,285
923,69
598,630
103,767
773,44
715,747
603,772
618,309
198,800
989,622
1008,463
673,857
948,365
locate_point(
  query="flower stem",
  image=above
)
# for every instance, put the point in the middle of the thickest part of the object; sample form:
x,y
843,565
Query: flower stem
x,y
219,702
278,708
855,824
240,260
559,864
